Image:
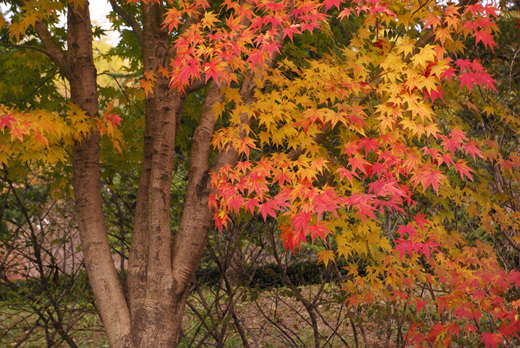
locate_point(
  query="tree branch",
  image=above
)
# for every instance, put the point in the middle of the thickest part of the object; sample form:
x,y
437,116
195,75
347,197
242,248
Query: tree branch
x,y
510,241
27,47
30,94
52,50
129,20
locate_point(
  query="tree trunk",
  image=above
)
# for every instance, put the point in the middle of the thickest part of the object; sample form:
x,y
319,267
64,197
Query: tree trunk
x,y
102,274
150,278
160,267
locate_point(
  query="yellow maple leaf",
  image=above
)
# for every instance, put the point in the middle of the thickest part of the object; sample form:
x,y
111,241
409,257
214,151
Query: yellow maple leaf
x,y
147,85
406,47
148,82
443,34
3,22
209,20
163,71
16,31
325,256
425,55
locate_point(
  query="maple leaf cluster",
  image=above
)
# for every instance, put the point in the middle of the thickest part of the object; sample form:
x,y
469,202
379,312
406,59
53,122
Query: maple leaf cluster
x,y
44,137
225,43
364,135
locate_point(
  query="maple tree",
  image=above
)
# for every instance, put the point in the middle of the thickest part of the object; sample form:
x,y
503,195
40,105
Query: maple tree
x,y
360,144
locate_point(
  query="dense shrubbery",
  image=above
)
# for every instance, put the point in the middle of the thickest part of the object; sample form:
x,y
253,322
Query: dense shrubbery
x,y
270,275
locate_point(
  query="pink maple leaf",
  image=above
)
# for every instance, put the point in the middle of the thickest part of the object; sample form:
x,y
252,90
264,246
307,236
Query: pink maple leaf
x,y
7,121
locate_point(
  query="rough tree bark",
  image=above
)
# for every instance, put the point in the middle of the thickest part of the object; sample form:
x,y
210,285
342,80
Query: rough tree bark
x,y
150,272
160,271
77,65
86,181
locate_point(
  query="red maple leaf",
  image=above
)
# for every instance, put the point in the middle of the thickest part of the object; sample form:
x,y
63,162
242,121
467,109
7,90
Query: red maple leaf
x,y
435,331
454,329
344,172
472,148
329,3
17,133
420,220
404,229
508,330
268,208
326,201
448,74
212,201
319,229
212,71
358,164
429,176
235,203
115,119
291,30
281,177
463,170
351,148
257,183
363,203
434,153
491,339
464,64
472,72
420,304
445,158
434,94
300,221
255,58
292,238
345,13
221,219
462,313
433,20
468,79
251,204
272,6
491,10
486,37
482,79
243,166
369,144
454,141
271,47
